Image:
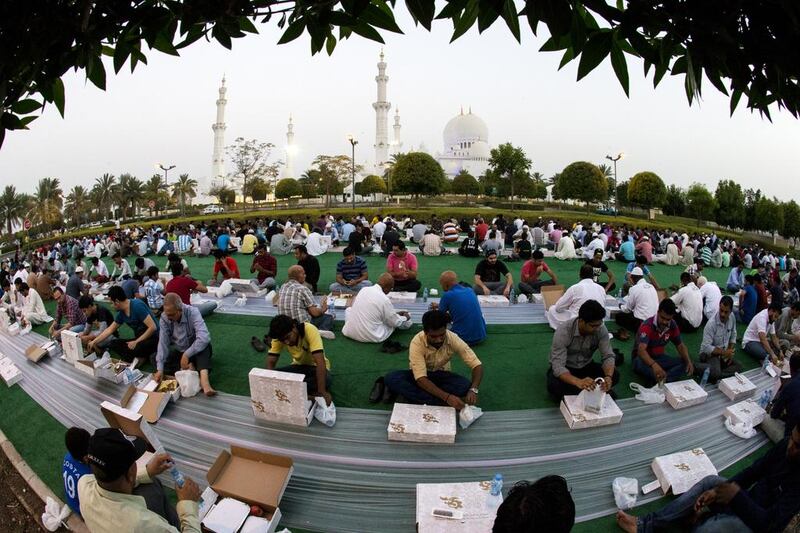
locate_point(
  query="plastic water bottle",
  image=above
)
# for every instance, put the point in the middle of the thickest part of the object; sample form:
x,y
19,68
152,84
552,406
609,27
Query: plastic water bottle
x,y
512,296
128,375
495,497
765,364
425,294
177,476
704,379
619,293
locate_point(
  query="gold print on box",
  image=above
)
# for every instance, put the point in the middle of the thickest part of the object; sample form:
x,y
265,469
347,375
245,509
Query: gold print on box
x,y
398,428
452,502
258,406
683,467
281,396
427,417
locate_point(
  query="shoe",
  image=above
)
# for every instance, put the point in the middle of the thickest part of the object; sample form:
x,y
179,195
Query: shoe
x,y
619,357
378,391
392,347
257,345
325,334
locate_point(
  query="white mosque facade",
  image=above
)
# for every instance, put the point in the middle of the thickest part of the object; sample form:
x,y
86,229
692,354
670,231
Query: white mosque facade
x,y
466,145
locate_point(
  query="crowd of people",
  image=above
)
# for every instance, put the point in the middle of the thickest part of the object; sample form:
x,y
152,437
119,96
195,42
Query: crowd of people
x,y
169,331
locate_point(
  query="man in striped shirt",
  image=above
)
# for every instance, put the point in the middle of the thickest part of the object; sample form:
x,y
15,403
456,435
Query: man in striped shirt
x,y
649,353
351,273
66,306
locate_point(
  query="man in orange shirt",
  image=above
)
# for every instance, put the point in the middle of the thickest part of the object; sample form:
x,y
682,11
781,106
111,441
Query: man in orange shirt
x,y
224,265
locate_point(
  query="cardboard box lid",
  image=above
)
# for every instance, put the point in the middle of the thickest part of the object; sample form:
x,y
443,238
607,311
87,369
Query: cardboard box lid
x,y
131,423
551,294
153,406
251,476
35,353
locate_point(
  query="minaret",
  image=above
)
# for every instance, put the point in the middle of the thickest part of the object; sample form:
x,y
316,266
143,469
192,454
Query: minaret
x,y
218,159
382,108
397,144
288,170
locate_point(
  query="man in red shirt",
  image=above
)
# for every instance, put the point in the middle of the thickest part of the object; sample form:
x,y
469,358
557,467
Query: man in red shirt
x,y
266,265
649,351
402,265
183,285
481,229
531,270
224,265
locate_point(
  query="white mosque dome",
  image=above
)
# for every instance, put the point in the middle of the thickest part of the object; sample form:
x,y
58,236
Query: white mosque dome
x,y
465,128
480,150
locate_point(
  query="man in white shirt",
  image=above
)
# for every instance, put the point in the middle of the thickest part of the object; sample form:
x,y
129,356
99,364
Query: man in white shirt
x,y
566,308
759,340
689,302
315,244
372,317
711,296
100,271
121,267
640,304
33,310
595,244
378,229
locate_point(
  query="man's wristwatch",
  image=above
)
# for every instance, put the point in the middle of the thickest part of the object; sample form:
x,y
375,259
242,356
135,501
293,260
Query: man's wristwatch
x,y
473,390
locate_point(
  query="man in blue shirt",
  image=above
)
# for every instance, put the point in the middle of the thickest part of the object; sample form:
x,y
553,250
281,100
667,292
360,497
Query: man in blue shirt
x,y
748,301
138,317
351,273
461,304
641,262
627,251
223,241
75,465
736,279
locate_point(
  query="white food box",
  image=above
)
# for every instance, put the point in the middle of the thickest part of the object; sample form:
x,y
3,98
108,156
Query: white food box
x,y
469,499
402,297
579,418
13,329
681,394
248,287
226,516
737,387
5,320
681,471
71,346
51,347
326,240
422,423
90,365
493,300
747,412
9,372
280,397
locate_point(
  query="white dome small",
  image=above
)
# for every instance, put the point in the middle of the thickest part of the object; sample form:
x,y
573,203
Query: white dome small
x,y
480,149
465,128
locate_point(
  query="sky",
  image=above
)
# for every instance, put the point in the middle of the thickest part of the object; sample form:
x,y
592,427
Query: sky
x,y
162,113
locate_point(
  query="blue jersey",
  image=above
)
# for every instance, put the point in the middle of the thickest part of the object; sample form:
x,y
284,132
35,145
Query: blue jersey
x,y
72,471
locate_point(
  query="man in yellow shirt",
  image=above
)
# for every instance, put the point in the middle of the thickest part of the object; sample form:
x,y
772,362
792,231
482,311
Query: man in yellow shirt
x,y
118,497
249,242
304,344
430,381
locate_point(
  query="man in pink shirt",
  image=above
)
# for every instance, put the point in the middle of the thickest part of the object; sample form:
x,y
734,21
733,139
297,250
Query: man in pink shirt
x,y
530,280
402,265
555,237
645,248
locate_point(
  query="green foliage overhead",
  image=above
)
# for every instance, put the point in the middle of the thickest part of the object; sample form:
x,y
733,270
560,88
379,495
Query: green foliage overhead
x,y
742,48
730,204
646,190
287,188
700,202
417,173
582,181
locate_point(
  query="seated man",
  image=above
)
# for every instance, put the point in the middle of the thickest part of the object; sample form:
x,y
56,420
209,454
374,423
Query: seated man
x,y
142,265
545,505
785,410
304,344
431,244
572,367
711,297
33,312
66,307
599,267
296,301
224,265
266,266
75,465
640,304
100,271
153,290
402,266
763,497
759,340
184,285
641,262
351,273
787,328
649,355
135,314
430,380
249,242
533,268
689,305
315,244
310,266
461,305
489,274
122,269
719,344
389,238
736,279
117,496
590,251
566,308
469,246
372,317
183,343
748,300
98,318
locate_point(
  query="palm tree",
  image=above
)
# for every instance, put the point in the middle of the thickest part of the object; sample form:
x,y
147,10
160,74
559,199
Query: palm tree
x,y
184,188
48,201
77,204
104,194
129,194
13,207
607,170
155,194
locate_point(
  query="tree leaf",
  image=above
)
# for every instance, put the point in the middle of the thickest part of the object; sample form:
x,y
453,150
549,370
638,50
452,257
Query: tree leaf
x,y
422,11
222,36
620,67
121,53
736,95
163,43
97,72
365,30
512,18
569,55
23,107
554,44
379,18
246,25
594,52
452,10
330,44
294,31
467,19
487,14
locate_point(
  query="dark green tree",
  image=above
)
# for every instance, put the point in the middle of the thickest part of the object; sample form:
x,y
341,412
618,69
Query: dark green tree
x,y
730,207
791,220
675,201
646,190
582,181
466,184
417,173
510,163
700,202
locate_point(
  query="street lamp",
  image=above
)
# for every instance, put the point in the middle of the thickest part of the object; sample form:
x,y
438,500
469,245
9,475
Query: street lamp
x,y
165,169
616,200
353,144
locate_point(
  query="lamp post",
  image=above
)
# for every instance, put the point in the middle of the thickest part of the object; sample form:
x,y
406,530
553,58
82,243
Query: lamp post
x,y
353,144
616,200
165,169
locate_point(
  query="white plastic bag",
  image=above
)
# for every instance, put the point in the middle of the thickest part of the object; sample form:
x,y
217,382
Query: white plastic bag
x,y
54,516
742,430
625,492
652,395
189,381
468,415
376,248
593,399
325,413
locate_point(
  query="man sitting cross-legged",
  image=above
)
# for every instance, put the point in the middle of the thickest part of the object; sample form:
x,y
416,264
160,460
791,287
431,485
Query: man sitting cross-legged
x,y
719,344
462,307
572,367
530,282
372,317
137,316
492,276
351,273
402,265
763,497
183,342
430,380
296,301
649,356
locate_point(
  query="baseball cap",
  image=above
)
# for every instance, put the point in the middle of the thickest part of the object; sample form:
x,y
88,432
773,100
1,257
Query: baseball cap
x,y
78,270
637,272
598,251
112,452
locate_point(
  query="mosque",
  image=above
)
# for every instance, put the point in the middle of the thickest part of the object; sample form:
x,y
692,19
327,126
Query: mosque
x,y
465,139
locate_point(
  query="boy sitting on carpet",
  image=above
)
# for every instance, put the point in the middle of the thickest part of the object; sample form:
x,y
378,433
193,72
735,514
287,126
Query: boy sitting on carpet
x,y
75,465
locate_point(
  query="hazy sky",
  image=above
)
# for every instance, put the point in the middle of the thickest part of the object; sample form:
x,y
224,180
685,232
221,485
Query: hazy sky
x,y
164,111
